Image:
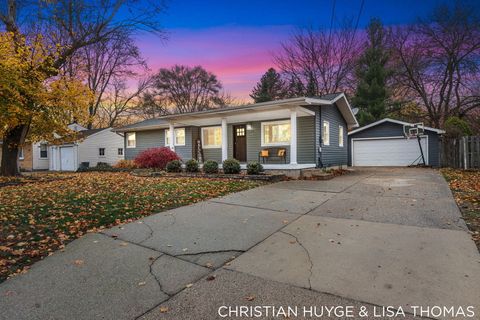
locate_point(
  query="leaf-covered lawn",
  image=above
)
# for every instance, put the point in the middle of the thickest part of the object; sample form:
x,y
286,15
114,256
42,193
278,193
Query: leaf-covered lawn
x,y
465,186
40,214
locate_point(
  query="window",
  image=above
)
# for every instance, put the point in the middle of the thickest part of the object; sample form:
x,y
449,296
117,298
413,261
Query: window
x,y
212,137
131,140
340,136
101,152
43,151
120,151
240,132
275,133
326,133
179,137
20,154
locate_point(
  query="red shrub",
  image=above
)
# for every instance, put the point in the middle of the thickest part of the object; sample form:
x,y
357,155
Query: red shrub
x,y
156,158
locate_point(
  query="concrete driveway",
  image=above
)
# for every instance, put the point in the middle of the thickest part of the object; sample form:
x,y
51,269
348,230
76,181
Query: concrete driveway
x,y
374,237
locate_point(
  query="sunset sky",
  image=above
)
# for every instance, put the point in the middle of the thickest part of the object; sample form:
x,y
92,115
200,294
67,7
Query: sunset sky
x,y
235,40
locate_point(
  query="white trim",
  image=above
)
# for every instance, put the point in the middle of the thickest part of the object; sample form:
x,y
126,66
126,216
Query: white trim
x,y
341,142
425,153
211,146
172,136
274,144
439,131
224,139
328,127
134,140
293,137
175,130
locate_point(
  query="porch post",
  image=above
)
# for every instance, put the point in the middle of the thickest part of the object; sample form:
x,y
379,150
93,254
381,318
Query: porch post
x,y
293,136
172,136
224,140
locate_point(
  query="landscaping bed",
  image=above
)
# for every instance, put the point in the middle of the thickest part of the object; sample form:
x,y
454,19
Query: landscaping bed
x,y
241,176
39,217
465,186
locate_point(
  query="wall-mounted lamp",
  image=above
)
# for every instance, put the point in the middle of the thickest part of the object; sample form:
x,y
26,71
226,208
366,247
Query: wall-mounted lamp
x,y
249,126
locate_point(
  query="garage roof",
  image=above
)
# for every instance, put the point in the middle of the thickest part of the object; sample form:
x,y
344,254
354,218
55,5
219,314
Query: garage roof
x,y
403,123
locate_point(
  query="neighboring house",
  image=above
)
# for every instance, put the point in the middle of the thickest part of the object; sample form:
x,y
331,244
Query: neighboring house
x,y
93,146
383,143
32,156
311,131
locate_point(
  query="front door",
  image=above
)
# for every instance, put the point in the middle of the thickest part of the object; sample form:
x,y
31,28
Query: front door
x,y
240,143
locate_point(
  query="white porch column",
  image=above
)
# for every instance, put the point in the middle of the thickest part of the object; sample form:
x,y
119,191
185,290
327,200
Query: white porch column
x,y
172,136
224,140
293,136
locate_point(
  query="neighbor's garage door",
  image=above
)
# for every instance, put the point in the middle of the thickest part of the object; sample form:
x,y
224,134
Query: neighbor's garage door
x,y
66,159
387,152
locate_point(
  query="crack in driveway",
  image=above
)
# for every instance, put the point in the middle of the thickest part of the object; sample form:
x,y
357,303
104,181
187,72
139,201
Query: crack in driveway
x,y
308,256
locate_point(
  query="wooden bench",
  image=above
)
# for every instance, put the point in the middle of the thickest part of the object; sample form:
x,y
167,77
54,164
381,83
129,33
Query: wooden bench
x,y
268,153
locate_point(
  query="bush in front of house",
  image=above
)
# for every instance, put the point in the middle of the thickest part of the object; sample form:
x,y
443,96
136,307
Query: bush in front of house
x,y
174,166
156,158
125,164
231,166
254,167
191,165
210,167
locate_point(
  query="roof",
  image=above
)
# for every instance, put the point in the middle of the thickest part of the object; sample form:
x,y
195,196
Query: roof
x,y
163,122
85,133
403,123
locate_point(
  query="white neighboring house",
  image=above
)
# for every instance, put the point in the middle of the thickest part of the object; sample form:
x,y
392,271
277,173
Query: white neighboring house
x,y
93,146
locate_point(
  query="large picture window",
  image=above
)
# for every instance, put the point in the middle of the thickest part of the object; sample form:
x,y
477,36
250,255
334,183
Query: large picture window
x,y
179,137
212,137
276,133
131,140
326,133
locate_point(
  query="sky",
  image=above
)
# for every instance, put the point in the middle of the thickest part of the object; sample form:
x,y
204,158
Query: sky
x,y
236,40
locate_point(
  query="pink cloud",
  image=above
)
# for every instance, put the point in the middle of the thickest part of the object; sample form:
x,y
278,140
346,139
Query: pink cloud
x,y
237,55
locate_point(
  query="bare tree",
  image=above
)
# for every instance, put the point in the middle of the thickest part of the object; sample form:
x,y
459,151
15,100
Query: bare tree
x,y
437,62
320,61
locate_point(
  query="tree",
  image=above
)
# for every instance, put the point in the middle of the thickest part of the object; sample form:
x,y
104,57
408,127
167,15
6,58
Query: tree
x,y
323,61
371,95
270,87
67,26
186,89
437,62
456,127
30,98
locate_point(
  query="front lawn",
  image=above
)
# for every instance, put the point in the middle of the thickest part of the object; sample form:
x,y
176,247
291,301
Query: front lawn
x,y
41,213
465,186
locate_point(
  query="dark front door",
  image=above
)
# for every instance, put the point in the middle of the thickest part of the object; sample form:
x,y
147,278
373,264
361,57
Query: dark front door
x,y
240,143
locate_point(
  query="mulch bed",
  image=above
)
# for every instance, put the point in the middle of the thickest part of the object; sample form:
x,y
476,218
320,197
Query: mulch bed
x,y
259,177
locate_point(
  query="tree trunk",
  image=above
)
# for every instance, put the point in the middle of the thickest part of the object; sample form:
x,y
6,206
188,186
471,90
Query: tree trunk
x,y
12,141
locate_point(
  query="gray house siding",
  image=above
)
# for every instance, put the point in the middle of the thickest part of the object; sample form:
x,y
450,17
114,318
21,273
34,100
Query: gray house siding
x,y
389,129
333,154
306,140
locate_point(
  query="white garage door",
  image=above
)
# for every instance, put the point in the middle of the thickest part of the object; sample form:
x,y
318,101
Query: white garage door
x,y
388,152
66,159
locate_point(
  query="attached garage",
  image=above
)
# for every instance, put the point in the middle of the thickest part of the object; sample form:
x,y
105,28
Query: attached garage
x,y
383,143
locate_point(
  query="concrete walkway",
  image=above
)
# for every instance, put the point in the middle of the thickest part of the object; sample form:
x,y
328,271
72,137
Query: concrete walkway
x,y
383,237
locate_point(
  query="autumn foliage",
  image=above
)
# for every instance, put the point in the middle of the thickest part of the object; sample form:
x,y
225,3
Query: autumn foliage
x,y
156,158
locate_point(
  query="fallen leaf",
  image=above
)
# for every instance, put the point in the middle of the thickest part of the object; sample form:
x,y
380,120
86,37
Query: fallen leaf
x,y
209,265
293,241
211,278
78,262
142,283
163,309
250,298
189,285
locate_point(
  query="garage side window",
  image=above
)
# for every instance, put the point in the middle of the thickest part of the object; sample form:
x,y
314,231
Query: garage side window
x,y
131,140
326,133
43,151
101,152
340,136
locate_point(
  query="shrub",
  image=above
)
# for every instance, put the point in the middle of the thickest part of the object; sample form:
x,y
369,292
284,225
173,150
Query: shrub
x,y
191,165
456,127
103,165
254,167
125,164
210,166
174,166
231,166
156,158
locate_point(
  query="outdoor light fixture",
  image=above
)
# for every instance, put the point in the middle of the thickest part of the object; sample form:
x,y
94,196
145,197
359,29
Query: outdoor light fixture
x,y
249,126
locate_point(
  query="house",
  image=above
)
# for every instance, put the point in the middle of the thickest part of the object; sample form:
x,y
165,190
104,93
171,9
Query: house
x,y
383,143
93,146
32,156
306,132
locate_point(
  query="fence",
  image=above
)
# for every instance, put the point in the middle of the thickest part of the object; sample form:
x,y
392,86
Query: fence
x,y
461,152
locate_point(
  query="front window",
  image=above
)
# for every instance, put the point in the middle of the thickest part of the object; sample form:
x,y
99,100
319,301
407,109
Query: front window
x,y
340,136
43,151
131,140
276,133
101,152
179,137
326,133
212,137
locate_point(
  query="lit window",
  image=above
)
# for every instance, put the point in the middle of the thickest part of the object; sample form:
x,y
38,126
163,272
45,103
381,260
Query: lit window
x,y
20,154
276,133
340,136
212,137
131,140
101,152
326,133
179,137
120,151
43,151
